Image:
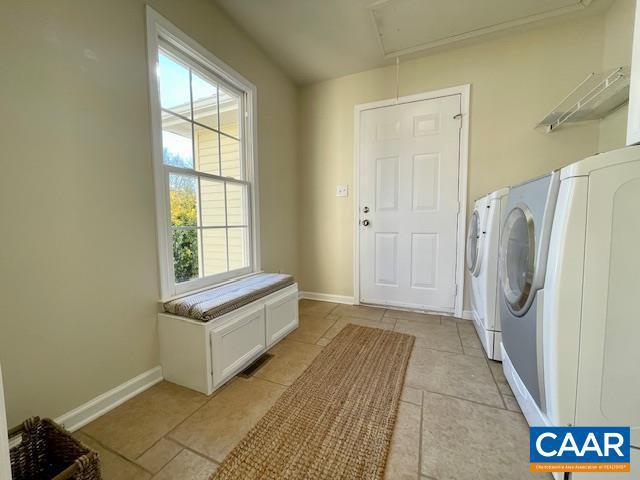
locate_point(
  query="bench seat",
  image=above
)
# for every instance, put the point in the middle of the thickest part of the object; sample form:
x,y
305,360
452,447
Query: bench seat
x,y
220,300
208,337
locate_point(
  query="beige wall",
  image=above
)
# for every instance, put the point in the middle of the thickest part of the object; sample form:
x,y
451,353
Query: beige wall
x,y
78,268
515,80
618,40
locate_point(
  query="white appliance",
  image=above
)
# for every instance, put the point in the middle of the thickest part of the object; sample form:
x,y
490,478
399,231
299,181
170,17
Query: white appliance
x,y
588,337
483,240
475,239
633,117
522,267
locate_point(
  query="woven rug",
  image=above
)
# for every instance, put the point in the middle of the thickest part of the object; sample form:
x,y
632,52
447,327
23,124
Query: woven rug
x,y
336,420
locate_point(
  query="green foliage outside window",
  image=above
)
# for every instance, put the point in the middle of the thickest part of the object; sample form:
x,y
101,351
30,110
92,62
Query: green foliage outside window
x,y
182,197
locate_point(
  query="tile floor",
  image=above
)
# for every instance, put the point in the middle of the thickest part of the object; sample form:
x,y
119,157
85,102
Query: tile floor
x,y
457,420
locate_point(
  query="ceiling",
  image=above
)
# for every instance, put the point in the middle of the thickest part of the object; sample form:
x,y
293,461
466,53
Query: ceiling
x,y
315,40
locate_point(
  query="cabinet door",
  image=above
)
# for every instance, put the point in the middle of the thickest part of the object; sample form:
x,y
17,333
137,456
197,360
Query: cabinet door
x,y
236,343
281,316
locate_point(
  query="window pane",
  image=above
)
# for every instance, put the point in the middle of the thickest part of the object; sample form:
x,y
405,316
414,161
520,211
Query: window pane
x,y
175,93
185,254
238,248
205,101
237,204
183,200
177,149
207,150
212,206
229,113
230,157
214,250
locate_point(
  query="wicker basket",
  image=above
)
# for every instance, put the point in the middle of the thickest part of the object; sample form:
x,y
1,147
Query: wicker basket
x,y
48,451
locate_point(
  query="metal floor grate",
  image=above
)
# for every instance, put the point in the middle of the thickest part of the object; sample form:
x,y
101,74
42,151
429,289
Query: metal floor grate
x,y
251,369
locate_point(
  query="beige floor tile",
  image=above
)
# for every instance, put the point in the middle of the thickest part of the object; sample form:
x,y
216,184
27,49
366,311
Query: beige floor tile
x,y
290,359
511,403
452,374
359,311
323,342
422,317
114,467
313,307
311,328
411,395
439,337
468,335
187,466
136,425
466,441
403,462
159,455
501,380
344,321
474,352
218,426
447,320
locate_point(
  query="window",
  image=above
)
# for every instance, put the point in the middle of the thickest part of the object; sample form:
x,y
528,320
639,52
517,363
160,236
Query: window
x,y
203,163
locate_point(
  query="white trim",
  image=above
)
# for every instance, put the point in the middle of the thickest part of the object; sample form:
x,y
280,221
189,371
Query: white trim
x,y
327,297
157,26
467,315
88,412
479,32
465,95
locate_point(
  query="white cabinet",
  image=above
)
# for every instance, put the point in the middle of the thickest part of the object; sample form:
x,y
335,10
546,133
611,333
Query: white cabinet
x,y
282,316
203,356
633,120
236,342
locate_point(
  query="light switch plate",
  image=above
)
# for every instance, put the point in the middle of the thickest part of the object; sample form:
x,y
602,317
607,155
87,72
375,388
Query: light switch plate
x,y
342,191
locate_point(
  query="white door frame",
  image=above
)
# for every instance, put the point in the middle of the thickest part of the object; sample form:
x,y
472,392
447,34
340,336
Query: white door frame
x,y
465,92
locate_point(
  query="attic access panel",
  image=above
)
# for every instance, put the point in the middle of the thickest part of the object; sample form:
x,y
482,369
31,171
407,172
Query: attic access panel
x,y
407,26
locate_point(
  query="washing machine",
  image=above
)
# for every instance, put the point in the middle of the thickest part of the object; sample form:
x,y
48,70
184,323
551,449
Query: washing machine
x,y
482,262
522,266
474,252
591,327
583,343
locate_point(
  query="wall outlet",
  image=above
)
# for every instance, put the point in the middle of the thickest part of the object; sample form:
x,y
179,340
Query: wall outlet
x,y
342,191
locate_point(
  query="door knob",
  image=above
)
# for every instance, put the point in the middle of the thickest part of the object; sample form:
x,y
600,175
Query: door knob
x,y
366,223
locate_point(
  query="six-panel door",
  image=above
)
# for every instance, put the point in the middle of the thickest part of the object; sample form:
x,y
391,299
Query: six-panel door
x,y
409,167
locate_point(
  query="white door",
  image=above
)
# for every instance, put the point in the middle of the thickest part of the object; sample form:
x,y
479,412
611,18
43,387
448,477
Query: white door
x,y
409,166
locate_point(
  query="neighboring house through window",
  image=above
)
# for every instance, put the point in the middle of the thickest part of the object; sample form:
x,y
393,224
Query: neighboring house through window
x,y
203,161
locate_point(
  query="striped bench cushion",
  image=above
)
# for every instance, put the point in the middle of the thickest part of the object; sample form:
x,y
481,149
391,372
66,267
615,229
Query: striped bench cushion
x,y
226,298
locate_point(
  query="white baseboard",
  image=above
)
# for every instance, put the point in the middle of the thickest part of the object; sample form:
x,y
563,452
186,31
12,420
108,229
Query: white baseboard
x,y
86,413
327,297
467,314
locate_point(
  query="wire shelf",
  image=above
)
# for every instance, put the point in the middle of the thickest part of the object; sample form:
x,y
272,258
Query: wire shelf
x,y
594,98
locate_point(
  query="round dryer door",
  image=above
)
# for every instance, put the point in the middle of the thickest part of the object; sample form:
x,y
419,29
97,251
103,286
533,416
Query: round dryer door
x,y
517,252
473,242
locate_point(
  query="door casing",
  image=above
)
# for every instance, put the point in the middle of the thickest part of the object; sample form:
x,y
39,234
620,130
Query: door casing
x,y
464,91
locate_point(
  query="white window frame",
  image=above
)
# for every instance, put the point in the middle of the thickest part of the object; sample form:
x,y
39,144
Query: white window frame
x,y
160,30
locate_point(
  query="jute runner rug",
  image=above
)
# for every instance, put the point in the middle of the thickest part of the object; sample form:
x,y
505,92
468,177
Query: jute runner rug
x,y
336,420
